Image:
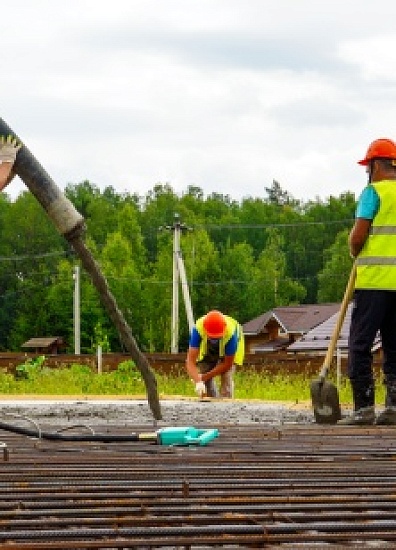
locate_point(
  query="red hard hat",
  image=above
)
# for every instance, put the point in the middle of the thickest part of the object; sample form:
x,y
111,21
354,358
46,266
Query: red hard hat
x,y
380,148
214,324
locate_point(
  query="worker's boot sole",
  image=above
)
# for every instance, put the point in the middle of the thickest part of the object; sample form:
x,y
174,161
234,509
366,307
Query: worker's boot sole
x,y
361,417
387,417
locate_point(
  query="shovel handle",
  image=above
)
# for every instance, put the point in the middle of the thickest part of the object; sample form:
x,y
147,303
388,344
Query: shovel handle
x,y
340,320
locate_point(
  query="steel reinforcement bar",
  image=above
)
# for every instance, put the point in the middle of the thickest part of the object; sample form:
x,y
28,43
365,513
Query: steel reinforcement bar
x,y
253,487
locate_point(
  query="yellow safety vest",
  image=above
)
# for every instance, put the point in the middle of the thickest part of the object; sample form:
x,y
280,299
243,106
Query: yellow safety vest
x,y
231,325
376,263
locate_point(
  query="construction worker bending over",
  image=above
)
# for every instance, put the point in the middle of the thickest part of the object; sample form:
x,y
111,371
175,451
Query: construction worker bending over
x,y
216,345
372,241
9,146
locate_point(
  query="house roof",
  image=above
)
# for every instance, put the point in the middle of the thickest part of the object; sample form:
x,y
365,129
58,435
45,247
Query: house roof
x,y
318,339
292,319
257,325
43,342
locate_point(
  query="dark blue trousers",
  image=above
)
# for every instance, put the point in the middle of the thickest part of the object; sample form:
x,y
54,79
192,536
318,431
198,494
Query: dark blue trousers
x,y
373,311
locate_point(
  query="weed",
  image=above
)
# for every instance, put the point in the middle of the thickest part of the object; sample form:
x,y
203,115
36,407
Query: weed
x,y
30,368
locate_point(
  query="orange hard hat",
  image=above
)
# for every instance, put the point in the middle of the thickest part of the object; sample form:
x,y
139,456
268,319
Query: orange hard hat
x,y
380,148
214,324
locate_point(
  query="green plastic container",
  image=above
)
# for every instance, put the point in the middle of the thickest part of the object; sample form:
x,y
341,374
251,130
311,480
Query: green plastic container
x,y
186,436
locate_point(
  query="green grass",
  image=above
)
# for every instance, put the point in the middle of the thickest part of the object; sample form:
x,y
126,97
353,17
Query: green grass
x,y
33,378
289,387
264,386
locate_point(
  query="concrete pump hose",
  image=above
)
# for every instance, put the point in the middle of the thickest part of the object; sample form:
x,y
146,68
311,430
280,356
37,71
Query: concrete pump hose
x,y
59,208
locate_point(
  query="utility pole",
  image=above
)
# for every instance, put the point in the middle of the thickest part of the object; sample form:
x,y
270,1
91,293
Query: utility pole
x,y
76,304
179,272
175,289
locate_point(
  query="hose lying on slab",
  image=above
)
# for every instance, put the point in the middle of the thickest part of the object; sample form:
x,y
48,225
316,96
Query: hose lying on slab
x,y
58,436
164,436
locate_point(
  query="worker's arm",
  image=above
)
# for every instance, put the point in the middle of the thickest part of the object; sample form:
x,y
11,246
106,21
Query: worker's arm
x,y
225,364
366,210
6,174
358,235
191,364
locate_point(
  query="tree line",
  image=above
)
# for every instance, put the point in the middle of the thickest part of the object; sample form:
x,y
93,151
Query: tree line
x,y
242,257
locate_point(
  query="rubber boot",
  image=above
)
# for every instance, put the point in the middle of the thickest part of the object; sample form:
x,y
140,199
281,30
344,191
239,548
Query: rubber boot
x,y
388,416
363,399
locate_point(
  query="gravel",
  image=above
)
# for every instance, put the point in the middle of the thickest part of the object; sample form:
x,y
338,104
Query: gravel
x,y
175,412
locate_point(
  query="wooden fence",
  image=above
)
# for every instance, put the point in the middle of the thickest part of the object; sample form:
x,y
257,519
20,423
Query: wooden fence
x,y
168,363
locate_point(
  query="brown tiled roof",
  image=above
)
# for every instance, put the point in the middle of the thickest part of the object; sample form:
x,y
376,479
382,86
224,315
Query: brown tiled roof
x,y
301,319
292,319
257,325
42,342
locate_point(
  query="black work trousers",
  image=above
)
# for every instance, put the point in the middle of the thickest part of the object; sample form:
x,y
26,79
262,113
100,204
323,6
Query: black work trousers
x,y
373,311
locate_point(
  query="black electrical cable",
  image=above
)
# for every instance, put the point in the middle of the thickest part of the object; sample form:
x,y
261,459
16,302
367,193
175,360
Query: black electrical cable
x,y
56,436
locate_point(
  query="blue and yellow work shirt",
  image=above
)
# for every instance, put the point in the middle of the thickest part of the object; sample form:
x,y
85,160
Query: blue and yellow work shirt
x,y
231,343
229,349
368,204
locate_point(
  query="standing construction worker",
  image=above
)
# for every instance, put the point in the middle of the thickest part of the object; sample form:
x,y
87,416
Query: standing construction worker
x,y
216,345
372,241
9,146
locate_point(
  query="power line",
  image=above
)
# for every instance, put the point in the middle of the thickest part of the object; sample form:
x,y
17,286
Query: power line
x,y
270,225
31,256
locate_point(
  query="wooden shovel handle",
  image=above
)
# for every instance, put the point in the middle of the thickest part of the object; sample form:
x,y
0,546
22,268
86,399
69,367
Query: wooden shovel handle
x,y
341,316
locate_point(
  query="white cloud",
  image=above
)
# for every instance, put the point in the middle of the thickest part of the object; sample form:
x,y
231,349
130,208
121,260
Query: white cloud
x,y
223,94
374,56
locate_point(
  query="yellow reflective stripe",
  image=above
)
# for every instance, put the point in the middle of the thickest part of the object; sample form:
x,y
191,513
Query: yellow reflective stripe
x,y
376,260
383,230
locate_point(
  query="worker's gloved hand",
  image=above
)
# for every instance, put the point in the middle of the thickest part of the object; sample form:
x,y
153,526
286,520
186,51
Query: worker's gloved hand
x,y
200,388
9,147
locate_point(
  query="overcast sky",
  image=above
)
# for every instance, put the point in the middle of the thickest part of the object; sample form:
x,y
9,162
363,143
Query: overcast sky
x,y
226,95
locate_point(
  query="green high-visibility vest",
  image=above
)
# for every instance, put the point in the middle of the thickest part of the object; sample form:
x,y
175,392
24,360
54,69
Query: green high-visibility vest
x,y
376,263
231,325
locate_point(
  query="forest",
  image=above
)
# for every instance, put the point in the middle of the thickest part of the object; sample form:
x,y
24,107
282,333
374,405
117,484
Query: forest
x,y
242,257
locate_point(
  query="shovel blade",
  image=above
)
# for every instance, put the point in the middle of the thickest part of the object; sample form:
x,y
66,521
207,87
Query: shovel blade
x,y
325,402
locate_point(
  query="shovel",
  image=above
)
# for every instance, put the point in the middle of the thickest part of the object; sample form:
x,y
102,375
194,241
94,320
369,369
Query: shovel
x,y
324,394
